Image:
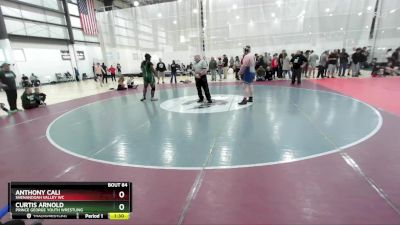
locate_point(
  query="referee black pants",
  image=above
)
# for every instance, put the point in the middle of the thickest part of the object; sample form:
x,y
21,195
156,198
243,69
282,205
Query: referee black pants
x,y
202,83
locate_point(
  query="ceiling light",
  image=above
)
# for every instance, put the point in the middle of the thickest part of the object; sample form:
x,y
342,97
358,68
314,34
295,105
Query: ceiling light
x,y
369,8
234,6
341,28
360,13
327,9
273,14
159,15
174,22
136,3
237,17
393,10
195,11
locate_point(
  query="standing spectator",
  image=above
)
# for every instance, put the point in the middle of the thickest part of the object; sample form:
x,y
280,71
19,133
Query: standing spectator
x,y
237,67
213,69
312,63
396,58
119,69
112,71
356,60
205,60
297,61
332,61
225,66
268,59
280,65
104,73
94,71
200,71
7,83
231,62
161,70
305,66
173,71
274,65
286,66
220,68
344,62
322,64
76,71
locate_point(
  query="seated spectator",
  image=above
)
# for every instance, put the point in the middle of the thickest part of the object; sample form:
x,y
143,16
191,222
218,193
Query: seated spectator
x,y
40,97
121,83
268,73
391,70
131,83
35,80
260,73
25,81
28,99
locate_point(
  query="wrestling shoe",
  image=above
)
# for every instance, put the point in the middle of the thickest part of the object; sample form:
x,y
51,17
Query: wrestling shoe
x,y
250,99
143,99
243,102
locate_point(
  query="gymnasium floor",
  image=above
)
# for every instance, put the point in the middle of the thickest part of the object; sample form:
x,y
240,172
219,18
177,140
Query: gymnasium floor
x,y
325,152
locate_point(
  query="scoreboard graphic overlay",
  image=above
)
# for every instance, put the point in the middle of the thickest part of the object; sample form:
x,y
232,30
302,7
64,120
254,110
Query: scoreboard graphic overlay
x,y
70,200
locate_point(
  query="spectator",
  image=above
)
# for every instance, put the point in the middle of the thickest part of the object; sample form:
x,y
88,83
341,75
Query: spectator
x,y
395,57
131,84
173,71
344,62
112,71
104,73
76,74
225,66
7,83
286,66
237,67
322,64
35,80
28,99
213,69
231,62
305,66
389,53
39,96
268,73
312,63
25,81
274,65
160,68
121,83
356,60
297,61
332,61
260,73
119,69
220,68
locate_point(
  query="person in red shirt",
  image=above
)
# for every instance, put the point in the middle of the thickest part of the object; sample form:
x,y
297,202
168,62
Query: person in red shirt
x,y
112,71
274,65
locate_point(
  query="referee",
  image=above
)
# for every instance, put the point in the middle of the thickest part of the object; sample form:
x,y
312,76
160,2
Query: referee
x,y
200,71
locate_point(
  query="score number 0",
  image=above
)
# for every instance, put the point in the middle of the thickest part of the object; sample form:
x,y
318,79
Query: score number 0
x,y
121,206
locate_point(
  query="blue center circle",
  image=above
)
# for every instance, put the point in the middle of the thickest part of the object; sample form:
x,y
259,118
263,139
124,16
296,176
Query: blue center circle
x,y
282,125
